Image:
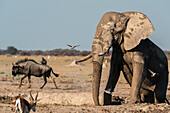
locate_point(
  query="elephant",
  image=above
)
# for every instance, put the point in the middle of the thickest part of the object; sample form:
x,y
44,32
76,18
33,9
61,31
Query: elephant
x,y
143,63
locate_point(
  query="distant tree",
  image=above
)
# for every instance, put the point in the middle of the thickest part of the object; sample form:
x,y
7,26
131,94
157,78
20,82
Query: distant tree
x,y
2,52
24,53
38,52
69,52
85,53
54,52
12,50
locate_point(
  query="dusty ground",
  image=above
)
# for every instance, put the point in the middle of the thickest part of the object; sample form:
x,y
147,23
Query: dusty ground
x,y
74,89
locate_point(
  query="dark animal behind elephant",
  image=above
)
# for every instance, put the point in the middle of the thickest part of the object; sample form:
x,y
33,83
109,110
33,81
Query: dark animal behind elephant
x,y
143,63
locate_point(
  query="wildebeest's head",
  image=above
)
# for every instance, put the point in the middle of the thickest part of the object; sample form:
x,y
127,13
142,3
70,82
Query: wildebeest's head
x,y
16,69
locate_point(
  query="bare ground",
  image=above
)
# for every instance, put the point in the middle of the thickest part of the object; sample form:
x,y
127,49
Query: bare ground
x,y
74,90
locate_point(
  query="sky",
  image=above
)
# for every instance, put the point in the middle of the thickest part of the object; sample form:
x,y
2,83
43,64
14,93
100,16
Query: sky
x,y
51,24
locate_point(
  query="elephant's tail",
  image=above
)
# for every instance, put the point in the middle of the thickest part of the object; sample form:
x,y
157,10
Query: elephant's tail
x,y
167,101
86,58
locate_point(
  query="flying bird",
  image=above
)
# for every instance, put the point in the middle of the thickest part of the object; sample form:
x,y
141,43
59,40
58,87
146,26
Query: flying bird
x,y
72,47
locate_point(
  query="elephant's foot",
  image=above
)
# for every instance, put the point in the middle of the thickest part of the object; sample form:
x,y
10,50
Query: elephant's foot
x,y
135,101
107,98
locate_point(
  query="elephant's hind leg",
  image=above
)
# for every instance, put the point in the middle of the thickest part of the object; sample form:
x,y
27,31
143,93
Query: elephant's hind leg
x,y
161,87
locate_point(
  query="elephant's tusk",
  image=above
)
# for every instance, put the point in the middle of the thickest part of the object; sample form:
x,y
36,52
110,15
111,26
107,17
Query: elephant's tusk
x,y
102,54
108,92
86,58
153,74
167,101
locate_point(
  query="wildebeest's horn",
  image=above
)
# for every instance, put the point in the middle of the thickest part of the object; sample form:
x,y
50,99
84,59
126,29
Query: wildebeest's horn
x,y
31,96
13,64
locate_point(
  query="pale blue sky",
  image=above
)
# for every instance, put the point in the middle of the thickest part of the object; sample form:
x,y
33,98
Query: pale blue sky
x,y
51,24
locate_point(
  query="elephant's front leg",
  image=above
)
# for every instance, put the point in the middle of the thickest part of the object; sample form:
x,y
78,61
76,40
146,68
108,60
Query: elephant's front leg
x,y
112,81
115,68
139,73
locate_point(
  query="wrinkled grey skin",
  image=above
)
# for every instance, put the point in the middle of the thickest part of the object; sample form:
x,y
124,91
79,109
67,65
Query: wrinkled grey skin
x,y
143,64
29,68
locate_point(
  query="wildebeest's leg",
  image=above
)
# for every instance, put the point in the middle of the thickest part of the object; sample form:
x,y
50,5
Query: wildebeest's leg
x,y
29,80
45,81
22,79
53,81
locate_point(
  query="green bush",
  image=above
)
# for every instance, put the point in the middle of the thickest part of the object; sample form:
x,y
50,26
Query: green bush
x,y
2,72
41,78
90,74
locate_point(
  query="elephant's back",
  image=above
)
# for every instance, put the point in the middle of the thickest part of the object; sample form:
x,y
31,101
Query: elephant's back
x,y
152,52
158,51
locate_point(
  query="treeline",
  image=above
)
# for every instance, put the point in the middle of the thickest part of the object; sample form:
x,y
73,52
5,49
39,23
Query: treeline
x,y
56,52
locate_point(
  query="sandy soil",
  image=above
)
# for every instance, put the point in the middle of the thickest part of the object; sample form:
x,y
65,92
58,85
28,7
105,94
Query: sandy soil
x,y
74,89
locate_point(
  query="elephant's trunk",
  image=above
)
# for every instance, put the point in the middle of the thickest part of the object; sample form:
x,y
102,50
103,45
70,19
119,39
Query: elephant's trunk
x,y
97,69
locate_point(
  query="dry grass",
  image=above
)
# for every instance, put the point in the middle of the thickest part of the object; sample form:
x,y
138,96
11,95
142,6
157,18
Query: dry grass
x,y
74,82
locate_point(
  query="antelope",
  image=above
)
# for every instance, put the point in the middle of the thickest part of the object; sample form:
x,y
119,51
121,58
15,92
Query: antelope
x,y
23,106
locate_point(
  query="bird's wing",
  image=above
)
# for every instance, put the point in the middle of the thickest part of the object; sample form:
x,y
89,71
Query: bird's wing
x,y
69,45
76,45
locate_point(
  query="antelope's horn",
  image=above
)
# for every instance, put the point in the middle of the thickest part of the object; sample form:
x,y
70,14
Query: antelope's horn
x,y
31,96
36,96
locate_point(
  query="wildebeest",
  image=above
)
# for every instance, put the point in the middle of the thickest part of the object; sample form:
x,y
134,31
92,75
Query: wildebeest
x,y
29,68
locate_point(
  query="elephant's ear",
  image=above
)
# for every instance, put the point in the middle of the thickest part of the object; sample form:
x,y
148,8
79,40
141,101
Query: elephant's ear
x,y
138,28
